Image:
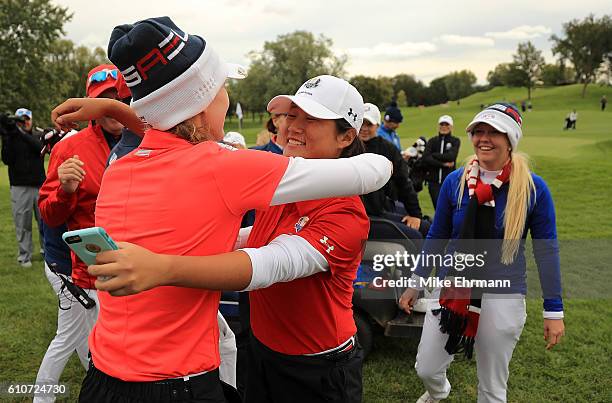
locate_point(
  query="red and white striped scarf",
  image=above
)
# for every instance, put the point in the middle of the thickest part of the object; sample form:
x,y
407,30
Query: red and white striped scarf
x,y
484,192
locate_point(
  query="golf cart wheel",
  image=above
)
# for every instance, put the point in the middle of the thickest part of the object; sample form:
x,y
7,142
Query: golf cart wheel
x,y
365,335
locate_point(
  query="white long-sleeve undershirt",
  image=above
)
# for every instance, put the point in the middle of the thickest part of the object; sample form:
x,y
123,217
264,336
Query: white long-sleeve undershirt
x,y
286,258
310,179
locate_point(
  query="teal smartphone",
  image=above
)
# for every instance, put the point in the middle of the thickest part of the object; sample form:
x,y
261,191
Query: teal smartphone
x,y
88,242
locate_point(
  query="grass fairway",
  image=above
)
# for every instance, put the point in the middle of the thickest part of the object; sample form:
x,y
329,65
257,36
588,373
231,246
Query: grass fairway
x,y
577,166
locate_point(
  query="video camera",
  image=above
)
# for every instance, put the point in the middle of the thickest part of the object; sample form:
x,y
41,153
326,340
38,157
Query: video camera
x,y
49,139
413,156
8,123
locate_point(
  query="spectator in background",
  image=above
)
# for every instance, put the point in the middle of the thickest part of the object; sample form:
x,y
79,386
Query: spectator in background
x,y
393,118
570,120
69,194
21,152
381,203
266,139
235,139
70,335
529,106
440,156
603,102
523,106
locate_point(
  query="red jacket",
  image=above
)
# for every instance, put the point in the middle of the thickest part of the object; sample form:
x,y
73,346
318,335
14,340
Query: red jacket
x,y
77,209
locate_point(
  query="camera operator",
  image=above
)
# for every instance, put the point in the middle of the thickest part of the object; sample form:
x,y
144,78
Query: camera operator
x,y
21,153
413,156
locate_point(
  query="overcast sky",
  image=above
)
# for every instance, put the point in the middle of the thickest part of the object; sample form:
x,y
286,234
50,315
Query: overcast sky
x,y
426,38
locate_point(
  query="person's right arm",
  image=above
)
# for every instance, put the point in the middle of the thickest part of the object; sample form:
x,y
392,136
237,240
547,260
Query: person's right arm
x,y
74,110
134,269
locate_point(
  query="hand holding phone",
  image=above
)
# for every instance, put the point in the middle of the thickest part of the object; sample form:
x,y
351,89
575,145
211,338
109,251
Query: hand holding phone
x,y
86,243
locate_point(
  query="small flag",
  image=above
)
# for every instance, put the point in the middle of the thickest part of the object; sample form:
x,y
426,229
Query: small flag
x,y
239,110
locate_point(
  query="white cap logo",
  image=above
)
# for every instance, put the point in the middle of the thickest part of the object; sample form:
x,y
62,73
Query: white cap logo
x,y
324,97
312,83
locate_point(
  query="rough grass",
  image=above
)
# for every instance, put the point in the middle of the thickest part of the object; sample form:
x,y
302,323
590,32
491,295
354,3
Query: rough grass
x,y
577,166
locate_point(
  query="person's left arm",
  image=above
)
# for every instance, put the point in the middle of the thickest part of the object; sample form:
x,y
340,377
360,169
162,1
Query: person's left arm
x,y
543,230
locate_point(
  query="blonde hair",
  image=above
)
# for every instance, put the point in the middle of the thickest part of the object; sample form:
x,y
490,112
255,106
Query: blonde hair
x,y
188,130
519,198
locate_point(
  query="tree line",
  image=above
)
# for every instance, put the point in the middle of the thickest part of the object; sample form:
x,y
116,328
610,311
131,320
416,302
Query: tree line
x,y
40,67
584,54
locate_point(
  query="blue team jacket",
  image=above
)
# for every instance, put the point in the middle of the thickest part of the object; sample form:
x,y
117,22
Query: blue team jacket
x,y
540,223
389,135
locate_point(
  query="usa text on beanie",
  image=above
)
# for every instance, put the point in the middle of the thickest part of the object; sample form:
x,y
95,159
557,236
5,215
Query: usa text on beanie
x,y
172,75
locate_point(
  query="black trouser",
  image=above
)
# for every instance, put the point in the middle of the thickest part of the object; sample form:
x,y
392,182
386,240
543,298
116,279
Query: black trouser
x,y
243,338
434,192
100,388
280,378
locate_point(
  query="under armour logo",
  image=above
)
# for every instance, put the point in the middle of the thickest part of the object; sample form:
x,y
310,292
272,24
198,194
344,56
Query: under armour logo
x,y
353,114
324,242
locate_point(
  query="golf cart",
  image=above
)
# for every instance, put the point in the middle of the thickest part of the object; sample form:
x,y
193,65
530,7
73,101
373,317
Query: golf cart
x,y
377,306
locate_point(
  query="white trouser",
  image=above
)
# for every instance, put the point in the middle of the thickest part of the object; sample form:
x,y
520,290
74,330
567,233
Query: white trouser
x,y
502,318
228,352
73,327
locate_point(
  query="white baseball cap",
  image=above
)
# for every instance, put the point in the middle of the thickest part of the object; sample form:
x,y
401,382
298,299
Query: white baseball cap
x,y
371,113
234,138
324,97
445,119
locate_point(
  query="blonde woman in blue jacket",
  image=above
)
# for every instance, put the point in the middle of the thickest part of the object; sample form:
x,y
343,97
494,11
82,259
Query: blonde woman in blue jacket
x,y
487,206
